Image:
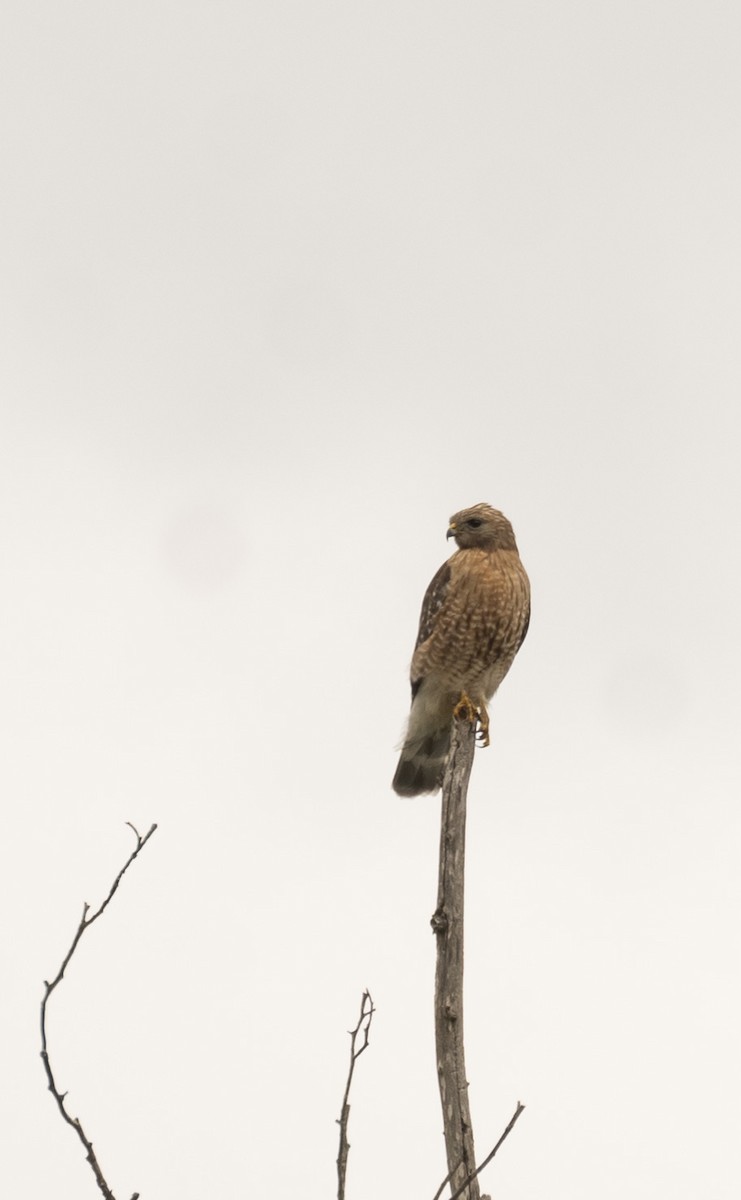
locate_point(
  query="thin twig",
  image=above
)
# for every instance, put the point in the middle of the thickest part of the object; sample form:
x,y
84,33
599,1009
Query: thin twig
x,y
85,923
363,1027
520,1108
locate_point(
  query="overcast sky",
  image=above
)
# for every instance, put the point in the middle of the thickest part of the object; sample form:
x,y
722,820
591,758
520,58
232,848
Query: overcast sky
x,y
283,286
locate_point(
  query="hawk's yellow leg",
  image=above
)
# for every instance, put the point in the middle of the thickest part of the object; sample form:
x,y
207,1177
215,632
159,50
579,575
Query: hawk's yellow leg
x,y
466,710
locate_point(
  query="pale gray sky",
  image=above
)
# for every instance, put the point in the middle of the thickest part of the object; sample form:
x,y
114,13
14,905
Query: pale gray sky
x,y
283,285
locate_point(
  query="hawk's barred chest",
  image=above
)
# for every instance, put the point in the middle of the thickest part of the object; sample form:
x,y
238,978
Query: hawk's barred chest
x,y
473,616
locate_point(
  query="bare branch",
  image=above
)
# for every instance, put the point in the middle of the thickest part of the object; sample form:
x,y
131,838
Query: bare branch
x,y
361,1029
85,923
447,923
520,1108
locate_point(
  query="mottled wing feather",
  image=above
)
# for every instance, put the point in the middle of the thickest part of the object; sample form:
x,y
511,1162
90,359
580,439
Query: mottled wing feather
x,y
525,627
433,601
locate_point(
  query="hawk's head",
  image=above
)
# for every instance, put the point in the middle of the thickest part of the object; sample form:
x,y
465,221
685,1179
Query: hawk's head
x,y
482,527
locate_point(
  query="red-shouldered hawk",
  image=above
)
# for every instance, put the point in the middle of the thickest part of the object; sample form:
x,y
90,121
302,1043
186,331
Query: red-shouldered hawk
x,y
474,619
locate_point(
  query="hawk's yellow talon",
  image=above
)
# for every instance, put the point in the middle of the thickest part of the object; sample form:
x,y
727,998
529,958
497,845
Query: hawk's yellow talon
x,y
466,710
483,730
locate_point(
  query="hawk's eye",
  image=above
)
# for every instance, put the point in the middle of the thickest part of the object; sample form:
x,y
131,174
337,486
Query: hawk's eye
x,y
474,522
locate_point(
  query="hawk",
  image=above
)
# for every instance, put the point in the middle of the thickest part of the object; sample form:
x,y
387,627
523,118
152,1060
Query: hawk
x,y
474,619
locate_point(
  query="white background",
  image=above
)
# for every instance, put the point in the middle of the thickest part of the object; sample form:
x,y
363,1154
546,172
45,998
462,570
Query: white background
x,y
283,285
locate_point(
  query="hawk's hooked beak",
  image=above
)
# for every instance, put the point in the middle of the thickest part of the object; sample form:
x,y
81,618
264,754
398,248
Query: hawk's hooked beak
x,y
450,533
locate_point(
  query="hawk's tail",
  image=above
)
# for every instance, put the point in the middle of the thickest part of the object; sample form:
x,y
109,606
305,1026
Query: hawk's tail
x,y
422,761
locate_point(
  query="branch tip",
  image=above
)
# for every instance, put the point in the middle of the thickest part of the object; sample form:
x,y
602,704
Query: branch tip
x,y
60,1097
363,1025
